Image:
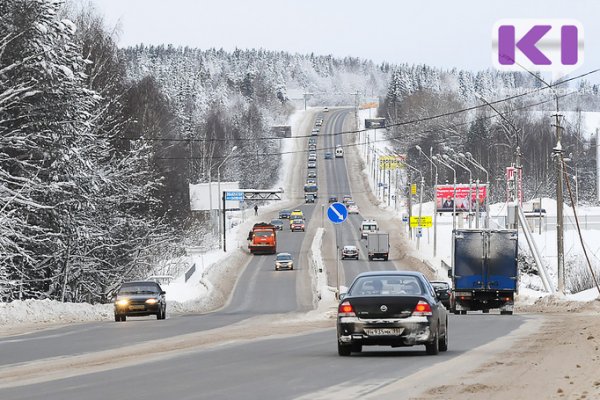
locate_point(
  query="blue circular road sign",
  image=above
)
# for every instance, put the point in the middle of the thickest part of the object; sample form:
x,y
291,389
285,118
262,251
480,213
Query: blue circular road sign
x,y
337,213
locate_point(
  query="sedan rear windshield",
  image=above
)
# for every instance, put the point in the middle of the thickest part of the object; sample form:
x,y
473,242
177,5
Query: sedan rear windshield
x,y
386,286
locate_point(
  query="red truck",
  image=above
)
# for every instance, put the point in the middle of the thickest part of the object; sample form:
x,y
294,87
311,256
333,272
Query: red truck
x,y
263,239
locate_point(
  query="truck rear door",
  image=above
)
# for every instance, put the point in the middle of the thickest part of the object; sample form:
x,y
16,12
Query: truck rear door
x,y
501,262
469,260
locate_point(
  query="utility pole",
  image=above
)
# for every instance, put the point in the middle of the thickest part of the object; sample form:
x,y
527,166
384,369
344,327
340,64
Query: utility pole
x,y
559,205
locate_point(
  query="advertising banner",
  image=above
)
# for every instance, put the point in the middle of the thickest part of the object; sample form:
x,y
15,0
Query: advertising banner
x,y
444,197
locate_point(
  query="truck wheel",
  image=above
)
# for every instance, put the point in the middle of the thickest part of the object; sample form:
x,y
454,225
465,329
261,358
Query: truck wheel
x,y
385,258
506,312
485,311
370,258
463,312
356,348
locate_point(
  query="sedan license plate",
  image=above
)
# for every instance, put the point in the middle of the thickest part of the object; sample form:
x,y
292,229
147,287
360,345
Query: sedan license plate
x,y
137,307
384,331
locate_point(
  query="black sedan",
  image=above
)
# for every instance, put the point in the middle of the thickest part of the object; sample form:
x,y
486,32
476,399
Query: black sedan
x,y
444,292
139,299
391,308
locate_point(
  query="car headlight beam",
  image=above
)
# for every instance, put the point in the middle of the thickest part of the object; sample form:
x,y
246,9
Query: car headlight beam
x,y
122,302
151,301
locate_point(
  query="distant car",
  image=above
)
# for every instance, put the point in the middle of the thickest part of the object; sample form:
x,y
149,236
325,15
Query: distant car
x,y
312,164
332,199
352,209
297,225
284,214
444,292
312,156
311,181
140,298
278,223
312,174
296,214
391,308
312,147
349,252
309,198
312,141
346,199
326,109
284,260
314,132
328,155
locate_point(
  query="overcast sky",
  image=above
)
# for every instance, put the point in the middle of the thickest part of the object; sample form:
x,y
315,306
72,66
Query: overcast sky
x,y
446,34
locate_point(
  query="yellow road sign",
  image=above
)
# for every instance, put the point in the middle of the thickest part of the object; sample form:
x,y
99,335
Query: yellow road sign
x,y
426,221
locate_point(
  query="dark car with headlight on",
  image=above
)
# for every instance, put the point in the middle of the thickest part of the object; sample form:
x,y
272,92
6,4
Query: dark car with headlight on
x,y
140,298
391,308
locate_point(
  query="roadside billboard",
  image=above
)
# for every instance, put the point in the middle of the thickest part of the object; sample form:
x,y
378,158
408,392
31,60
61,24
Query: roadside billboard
x,y
444,197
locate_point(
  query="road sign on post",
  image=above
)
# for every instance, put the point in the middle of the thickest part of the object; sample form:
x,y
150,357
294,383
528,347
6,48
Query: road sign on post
x,y
426,221
337,213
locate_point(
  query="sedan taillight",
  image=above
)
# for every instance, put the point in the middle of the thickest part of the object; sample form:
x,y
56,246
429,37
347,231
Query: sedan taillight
x,y
422,309
346,310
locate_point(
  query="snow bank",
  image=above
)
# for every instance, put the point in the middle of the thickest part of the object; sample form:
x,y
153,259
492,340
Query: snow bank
x,y
46,311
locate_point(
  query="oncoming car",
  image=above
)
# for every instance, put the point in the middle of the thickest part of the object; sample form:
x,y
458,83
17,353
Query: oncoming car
x,y
277,223
297,225
284,214
140,298
284,260
391,308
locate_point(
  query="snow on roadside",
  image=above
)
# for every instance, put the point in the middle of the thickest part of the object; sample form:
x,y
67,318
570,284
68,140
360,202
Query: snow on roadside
x,y
46,311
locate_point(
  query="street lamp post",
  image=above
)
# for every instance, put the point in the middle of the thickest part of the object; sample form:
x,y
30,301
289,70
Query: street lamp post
x,y
434,198
221,243
469,157
438,158
447,158
419,234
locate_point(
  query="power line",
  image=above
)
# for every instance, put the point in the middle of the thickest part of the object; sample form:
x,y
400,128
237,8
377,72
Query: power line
x,y
385,139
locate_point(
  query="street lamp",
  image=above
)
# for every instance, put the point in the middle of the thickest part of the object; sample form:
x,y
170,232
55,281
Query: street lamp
x,y
438,158
221,244
447,158
434,200
469,157
420,203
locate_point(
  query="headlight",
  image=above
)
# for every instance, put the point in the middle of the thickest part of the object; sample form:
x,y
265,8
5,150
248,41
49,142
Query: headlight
x,y
151,301
122,302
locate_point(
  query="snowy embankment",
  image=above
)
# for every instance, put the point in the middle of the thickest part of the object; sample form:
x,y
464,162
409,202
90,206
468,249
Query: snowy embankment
x,y
207,279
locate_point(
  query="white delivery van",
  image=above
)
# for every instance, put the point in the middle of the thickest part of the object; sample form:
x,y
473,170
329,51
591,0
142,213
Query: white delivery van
x,y
339,152
368,226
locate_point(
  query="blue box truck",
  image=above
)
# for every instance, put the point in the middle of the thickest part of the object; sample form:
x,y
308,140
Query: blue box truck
x,y
485,272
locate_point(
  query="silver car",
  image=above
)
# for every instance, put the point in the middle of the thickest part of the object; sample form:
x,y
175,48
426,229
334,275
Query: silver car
x,y
350,252
284,260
